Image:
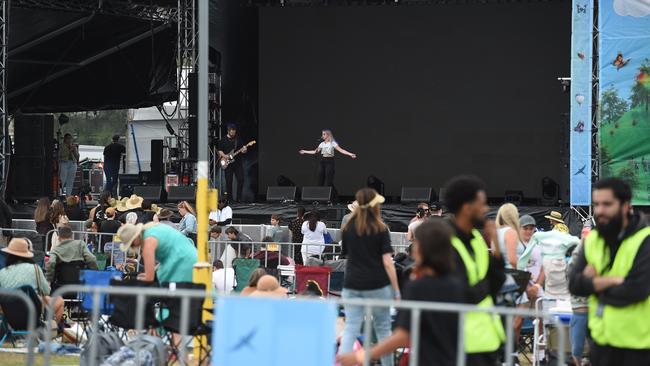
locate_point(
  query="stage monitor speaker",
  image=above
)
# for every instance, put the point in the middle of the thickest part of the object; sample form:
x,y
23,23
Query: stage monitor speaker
x,y
316,194
181,193
31,177
126,184
151,193
415,194
157,168
34,135
279,194
515,197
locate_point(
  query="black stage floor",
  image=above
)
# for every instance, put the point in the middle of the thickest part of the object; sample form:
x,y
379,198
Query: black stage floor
x,y
397,216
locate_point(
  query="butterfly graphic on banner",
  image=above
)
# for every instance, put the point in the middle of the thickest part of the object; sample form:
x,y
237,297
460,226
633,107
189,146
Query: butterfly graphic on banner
x,y
580,127
620,62
582,9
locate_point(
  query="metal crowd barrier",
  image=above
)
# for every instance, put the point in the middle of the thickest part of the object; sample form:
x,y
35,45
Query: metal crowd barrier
x,y
415,307
31,320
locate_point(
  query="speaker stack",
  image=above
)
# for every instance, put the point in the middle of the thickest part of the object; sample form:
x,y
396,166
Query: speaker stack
x,y
32,165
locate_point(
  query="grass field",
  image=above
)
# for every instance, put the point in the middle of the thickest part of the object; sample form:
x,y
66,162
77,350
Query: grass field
x,y
13,359
628,141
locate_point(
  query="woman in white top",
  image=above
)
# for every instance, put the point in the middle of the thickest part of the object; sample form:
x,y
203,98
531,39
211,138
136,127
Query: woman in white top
x,y
508,234
326,166
313,231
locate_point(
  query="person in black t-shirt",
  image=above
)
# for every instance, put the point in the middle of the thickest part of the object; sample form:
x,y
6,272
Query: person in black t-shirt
x,y
369,269
432,252
112,156
227,145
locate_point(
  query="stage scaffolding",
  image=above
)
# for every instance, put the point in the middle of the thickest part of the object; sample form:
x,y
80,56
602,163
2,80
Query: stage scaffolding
x,y
5,144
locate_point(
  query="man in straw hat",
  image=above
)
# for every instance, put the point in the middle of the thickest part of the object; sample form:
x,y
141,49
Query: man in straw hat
x,y
556,222
174,252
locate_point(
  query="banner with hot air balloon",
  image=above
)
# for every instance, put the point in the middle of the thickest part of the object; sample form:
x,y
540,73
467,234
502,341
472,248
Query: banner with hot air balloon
x,y
581,106
624,73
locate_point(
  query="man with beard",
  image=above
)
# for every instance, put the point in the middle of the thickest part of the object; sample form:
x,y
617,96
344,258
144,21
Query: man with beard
x,y
614,271
466,199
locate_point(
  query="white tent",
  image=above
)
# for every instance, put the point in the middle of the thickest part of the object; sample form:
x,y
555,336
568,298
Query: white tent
x,y
147,124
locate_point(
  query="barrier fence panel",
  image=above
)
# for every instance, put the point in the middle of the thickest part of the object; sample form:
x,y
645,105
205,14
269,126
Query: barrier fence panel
x,y
31,320
416,309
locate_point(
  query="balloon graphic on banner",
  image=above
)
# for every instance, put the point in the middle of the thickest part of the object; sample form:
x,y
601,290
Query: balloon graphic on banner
x,y
580,98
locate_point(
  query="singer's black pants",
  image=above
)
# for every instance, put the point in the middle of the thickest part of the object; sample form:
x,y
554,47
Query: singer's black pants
x,y
326,172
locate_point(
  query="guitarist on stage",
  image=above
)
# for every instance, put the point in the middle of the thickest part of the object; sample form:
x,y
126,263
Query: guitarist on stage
x,y
228,144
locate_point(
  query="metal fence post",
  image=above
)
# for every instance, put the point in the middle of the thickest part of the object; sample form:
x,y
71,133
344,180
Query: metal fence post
x,y
414,355
460,351
367,325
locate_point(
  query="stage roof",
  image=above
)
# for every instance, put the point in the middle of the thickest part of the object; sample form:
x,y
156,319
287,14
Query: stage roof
x,y
64,58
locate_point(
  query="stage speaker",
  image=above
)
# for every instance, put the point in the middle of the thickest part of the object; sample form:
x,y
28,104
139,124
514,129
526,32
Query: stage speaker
x,y
31,177
157,164
415,194
126,182
514,196
151,193
279,194
193,136
34,135
316,194
181,193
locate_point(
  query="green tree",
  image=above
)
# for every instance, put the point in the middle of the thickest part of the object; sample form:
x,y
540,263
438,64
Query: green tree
x,y
629,175
605,161
641,89
96,128
612,107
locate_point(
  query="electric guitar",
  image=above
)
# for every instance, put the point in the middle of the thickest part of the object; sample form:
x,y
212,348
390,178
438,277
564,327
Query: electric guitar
x,y
230,157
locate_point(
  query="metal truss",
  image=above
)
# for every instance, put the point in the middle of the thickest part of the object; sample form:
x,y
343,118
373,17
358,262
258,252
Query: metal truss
x,y
5,145
187,43
141,9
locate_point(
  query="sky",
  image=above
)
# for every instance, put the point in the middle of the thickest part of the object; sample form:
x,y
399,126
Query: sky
x,y
628,34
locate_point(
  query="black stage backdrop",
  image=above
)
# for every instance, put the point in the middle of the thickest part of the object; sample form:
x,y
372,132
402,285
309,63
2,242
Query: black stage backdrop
x,y
420,93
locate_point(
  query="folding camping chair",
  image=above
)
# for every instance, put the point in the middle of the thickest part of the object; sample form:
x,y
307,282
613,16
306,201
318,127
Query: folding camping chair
x,y
243,270
319,274
14,318
169,317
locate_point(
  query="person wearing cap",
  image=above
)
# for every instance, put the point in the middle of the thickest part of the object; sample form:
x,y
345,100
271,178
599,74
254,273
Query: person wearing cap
x,y
227,145
174,252
369,269
435,209
554,245
20,270
112,156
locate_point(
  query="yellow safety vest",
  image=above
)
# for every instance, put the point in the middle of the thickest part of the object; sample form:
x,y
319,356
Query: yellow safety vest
x,y
483,331
626,326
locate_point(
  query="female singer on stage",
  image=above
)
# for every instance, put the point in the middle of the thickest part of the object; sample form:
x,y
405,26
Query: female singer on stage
x,y
326,166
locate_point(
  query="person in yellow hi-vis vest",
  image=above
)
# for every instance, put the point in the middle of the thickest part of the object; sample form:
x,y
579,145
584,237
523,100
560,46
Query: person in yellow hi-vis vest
x,y
483,273
613,270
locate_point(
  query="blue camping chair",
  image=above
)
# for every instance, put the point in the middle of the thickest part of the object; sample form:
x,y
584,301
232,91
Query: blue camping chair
x,y
14,318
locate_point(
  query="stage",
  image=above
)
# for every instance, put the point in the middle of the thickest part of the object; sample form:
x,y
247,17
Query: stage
x,y
397,216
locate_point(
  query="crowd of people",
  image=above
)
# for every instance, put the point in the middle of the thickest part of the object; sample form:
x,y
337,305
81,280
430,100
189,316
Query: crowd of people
x,y
459,257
